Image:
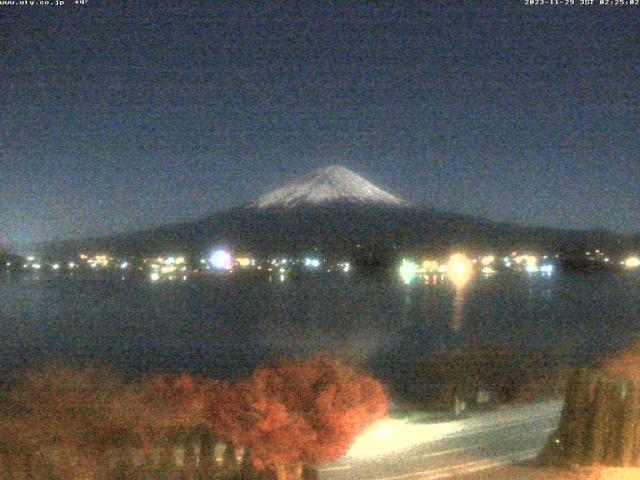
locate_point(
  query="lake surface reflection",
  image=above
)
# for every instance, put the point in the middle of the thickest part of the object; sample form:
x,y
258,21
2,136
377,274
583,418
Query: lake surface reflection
x,y
228,325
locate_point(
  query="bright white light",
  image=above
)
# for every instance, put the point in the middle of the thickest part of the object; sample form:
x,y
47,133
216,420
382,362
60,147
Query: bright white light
x,y
346,267
154,277
72,265
55,266
36,266
311,262
547,268
124,265
221,260
31,258
488,271
532,269
408,270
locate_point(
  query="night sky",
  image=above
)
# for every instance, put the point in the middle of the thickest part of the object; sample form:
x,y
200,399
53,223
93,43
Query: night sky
x,y
117,116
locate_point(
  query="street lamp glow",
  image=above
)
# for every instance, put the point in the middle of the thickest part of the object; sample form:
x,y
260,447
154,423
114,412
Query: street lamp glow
x,y
632,262
221,259
460,269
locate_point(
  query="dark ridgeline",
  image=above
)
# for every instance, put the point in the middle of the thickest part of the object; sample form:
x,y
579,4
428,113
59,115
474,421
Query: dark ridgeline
x,y
323,211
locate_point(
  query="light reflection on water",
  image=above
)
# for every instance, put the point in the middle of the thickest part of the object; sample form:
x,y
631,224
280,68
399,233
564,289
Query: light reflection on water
x,y
229,325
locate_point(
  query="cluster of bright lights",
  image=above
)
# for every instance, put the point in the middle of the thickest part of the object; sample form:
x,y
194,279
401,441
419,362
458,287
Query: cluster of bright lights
x,y
311,262
245,262
459,268
429,266
98,261
168,268
277,262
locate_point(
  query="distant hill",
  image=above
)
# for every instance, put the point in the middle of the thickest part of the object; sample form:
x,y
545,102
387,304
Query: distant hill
x,y
337,211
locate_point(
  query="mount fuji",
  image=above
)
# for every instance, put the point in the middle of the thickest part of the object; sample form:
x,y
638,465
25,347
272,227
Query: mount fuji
x,y
338,212
328,185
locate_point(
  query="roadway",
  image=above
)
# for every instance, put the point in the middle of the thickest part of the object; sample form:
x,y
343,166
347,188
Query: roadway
x,y
400,450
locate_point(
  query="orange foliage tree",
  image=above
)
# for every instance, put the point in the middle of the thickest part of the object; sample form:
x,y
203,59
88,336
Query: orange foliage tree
x,y
167,403
61,417
298,413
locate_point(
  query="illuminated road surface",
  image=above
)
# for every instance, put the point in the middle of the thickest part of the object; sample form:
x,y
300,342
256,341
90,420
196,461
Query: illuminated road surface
x,y
398,450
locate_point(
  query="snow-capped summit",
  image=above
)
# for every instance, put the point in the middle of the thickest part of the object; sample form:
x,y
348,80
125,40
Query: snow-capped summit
x,y
326,185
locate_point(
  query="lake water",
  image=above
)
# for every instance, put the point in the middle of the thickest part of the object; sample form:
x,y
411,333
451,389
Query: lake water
x,y
226,326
